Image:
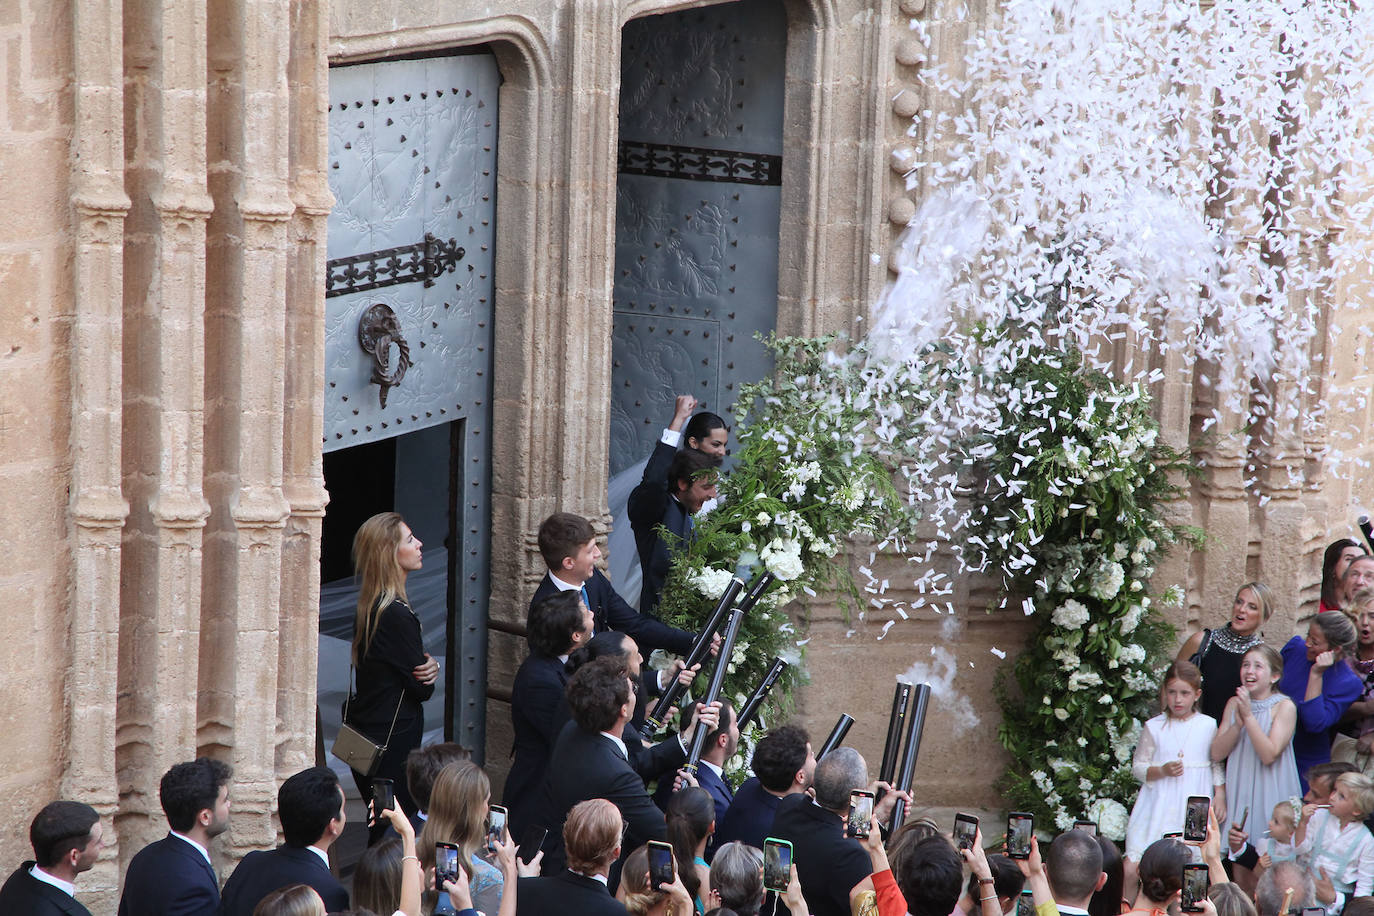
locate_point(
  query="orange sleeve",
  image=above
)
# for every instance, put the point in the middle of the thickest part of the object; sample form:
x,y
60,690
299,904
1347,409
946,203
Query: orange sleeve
x,y
890,900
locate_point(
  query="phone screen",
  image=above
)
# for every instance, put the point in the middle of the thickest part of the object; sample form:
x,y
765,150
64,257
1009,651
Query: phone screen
x,y
383,797
1195,886
445,862
965,831
1195,818
496,825
777,864
860,814
1020,828
1089,826
1025,904
660,864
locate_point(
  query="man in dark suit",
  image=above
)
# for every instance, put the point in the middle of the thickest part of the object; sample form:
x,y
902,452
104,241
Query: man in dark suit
x,y
829,864
591,836
721,744
783,765
1074,870
67,838
311,807
568,545
668,496
557,624
173,876
590,759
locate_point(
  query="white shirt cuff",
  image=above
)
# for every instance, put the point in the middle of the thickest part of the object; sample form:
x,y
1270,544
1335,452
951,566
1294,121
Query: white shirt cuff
x,y
671,437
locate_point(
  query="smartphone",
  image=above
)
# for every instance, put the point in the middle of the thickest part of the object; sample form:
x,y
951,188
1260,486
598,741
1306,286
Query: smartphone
x,y
1025,904
496,825
860,814
1090,826
777,865
965,831
1020,829
1195,819
1245,816
383,797
662,869
1314,911
445,864
1195,887
534,841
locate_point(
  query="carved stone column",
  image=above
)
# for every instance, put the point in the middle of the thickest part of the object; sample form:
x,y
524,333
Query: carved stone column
x,y
97,508
164,288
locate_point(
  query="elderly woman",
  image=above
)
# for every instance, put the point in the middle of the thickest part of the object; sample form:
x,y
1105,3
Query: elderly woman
x,y
1319,679
1217,653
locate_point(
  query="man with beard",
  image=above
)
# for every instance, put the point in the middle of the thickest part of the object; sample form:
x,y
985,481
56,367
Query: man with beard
x,y
174,877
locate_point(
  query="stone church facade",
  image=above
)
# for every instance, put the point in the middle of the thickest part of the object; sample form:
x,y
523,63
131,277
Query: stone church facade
x,y
165,370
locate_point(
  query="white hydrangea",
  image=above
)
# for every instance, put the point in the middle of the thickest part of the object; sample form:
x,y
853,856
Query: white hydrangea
x,y
1131,619
783,559
1070,615
1131,654
1111,817
710,582
1080,679
1107,580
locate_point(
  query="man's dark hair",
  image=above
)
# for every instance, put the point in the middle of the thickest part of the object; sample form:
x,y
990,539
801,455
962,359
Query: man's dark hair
x,y
1073,865
701,426
306,803
189,788
779,755
1330,770
561,536
931,877
1007,879
59,828
596,693
552,621
606,644
687,466
423,765
727,715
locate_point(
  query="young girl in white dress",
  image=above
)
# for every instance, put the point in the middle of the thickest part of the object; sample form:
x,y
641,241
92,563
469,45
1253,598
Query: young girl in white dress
x,y
1173,762
1333,839
1255,741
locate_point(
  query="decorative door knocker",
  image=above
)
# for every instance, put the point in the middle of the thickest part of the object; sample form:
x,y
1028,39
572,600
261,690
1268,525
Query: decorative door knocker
x,y
378,329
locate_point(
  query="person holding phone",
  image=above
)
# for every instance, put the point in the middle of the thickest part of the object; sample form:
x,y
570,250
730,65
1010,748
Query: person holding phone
x,y
1161,877
1173,762
690,820
1318,677
642,899
591,838
389,878
394,672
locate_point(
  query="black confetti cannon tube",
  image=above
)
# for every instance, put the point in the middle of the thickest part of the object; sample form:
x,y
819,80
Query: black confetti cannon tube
x,y
701,647
1367,530
727,646
751,706
836,734
916,724
892,748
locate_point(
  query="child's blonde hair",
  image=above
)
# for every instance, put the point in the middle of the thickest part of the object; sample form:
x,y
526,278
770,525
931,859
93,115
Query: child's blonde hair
x,y
1286,813
1361,789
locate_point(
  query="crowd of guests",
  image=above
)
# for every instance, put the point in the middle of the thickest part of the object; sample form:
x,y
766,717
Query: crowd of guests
x,y
593,790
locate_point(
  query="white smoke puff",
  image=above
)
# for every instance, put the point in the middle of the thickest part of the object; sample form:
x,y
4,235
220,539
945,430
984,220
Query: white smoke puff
x,y
939,674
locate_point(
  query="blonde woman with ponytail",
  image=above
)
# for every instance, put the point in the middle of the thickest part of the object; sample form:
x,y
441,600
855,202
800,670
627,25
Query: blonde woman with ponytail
x,y
394,673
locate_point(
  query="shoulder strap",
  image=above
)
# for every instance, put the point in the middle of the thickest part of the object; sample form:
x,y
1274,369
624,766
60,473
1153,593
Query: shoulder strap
x,y
1202,648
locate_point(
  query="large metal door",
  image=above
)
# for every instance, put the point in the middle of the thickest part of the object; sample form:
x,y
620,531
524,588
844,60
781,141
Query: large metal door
x,y
412,166
697,210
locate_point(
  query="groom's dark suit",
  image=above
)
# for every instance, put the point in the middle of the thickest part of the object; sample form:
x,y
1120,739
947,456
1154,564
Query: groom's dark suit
x,y
169,878
610,612
650,505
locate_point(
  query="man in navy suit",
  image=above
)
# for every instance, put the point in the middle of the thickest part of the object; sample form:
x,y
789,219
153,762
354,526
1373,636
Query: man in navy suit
x,y
67,838
311,807
590,759
721,744
783,764
557,625
668,496
173,876
591,836
568,545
